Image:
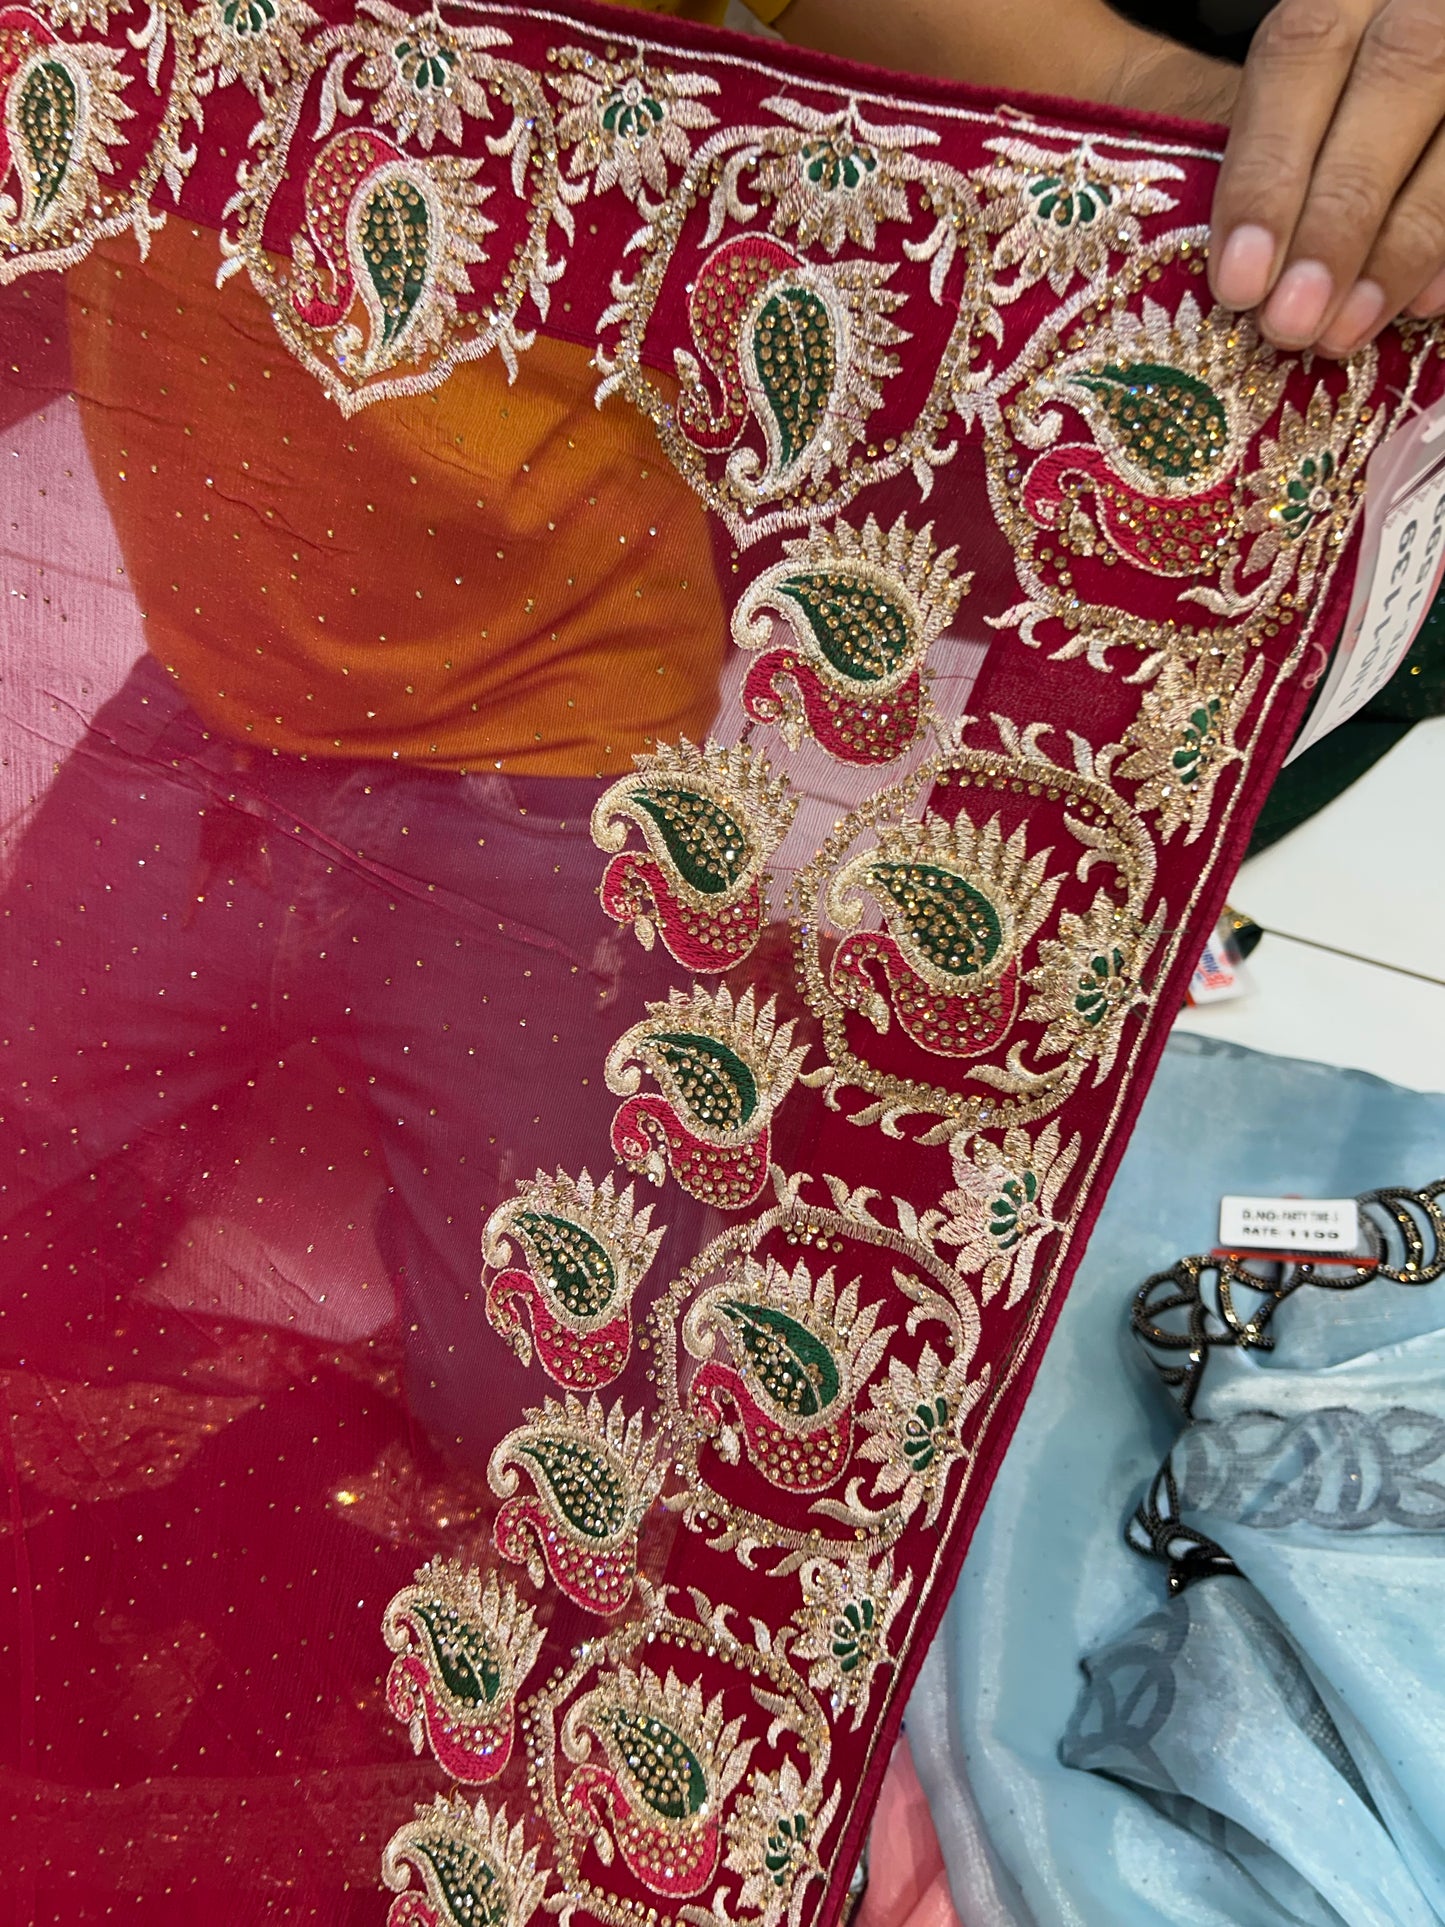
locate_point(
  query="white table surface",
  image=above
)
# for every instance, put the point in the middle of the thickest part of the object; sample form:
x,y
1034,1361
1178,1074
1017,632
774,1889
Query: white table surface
x,y
1364,878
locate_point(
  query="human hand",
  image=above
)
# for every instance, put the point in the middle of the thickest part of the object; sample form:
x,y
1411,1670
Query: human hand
x,y
1330,210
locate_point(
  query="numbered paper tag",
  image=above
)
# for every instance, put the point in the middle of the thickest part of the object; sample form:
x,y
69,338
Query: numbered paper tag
x,y
1221,972
1401,567
1290,1224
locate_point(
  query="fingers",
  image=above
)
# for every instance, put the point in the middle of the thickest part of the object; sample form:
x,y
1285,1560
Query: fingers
x,y
1404,263
1298,67
1377,244
1330,211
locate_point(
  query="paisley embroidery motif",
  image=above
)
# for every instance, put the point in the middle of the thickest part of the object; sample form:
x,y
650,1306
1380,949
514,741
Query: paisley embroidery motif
x,y
723,1069
395,237
1062,215
863,609
711,817
64,113
790,1355
628,122
663,1788
658,1795
797,350
463,1653
765,1371
961,956
594,1477
959,906
587,1250
382,295
475,1870
1173,403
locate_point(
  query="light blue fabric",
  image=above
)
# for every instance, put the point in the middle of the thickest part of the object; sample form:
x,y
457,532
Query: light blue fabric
x,y
1255,1751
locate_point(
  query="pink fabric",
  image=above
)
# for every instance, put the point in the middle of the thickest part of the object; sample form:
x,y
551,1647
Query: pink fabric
x,y
907,1883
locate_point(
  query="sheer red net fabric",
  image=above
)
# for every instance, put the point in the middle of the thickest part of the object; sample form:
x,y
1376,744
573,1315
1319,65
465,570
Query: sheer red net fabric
x,y
634,666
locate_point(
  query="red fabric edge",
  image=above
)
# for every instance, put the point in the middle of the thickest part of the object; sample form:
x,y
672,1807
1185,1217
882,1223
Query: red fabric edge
x,y
835,70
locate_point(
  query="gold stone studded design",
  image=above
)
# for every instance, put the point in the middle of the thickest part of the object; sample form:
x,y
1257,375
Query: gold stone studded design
x,y
964,897
379,296
1064,215
645,1774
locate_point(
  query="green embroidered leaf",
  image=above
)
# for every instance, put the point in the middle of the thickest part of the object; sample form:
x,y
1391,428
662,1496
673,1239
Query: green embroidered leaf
x,y
465,1883
463,1655
248,18
708,846
395,241
715,1083
796,1369
796,360
1069,206
573,1262
47,116
1170,423
953,924
631,114
860,632
669,1775
586,1491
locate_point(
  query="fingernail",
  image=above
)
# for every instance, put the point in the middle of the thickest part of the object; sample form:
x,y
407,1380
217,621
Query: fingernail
x,y
1359,312
1293,313
1431,299
1241,274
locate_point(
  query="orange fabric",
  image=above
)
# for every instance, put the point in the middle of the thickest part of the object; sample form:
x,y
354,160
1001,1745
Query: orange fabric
x,y
907,1883
336,635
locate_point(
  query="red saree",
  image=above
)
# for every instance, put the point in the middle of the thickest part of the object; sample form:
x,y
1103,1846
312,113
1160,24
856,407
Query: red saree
x,y
561,1036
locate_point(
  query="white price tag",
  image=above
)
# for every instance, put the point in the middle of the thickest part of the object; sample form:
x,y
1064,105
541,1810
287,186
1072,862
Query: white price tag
x,y
1289,1224
1221,972
1401,566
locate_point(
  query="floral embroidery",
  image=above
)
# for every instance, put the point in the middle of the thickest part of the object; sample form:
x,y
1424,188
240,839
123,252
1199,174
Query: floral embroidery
x,y
796,1354
671,1761
587,1250
999,1209
475,1870
462,1655
255,42
863,610
839,179
594,1477
1088,980
914,1423
1304,477
628,122
724,1069
1058,216
1183,737
426,77
712,817
773,1840
959,905
843,1625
